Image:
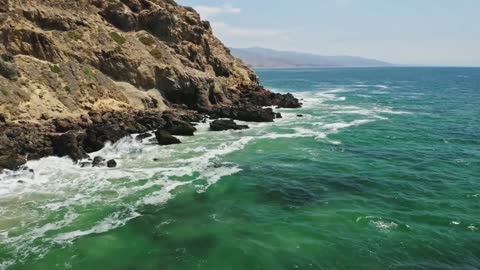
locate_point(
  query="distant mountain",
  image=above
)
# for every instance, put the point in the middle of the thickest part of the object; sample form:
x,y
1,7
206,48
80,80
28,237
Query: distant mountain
x,y
261,57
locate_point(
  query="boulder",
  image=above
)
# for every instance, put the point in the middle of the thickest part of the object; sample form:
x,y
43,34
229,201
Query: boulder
x,y
248,113
178,127
69,144
221,125
258,95
11,161
285,100
150,121
8,70
111,163
98,161
98,135
115,14
165,138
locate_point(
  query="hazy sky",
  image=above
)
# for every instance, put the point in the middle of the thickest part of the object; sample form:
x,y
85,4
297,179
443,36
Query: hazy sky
x,y
418,32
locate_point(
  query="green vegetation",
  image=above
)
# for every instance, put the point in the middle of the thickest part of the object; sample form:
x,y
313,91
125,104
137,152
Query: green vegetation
x,y
147,40
75,35
4,92
156,53
67,89
55,69
89,73
118,38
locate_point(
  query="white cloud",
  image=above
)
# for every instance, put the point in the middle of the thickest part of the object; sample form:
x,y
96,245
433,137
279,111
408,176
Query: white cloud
x,y
235,34
208,12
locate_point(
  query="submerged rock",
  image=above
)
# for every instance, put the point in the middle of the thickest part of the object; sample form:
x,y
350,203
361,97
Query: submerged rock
x,y
98,161
165,138
220,125
111,163
85,164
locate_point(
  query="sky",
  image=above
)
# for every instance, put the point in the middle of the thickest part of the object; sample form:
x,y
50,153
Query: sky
x,y
407,32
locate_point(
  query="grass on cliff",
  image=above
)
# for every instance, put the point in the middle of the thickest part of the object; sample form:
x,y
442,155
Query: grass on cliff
x,y
55,69
147,40
75,35
4,92
89,73
118,38
156,53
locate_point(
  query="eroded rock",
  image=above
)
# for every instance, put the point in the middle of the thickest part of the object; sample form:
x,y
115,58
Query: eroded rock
x,y
111,163
221,125
98,162
12,161
70,144
246,113
178,127
165,138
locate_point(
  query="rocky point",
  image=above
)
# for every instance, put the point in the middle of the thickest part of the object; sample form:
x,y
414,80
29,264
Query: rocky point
x,y
76,74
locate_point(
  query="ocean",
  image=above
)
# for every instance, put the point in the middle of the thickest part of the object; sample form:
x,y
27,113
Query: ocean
x,y
380,169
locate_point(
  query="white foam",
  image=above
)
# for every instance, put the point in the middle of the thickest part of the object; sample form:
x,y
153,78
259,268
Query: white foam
x,y
64,186
334,127
4,265
381,86
114,221
163,195
472,228
383,225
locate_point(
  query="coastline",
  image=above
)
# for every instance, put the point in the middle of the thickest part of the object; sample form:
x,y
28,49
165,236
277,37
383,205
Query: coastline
x,y
95,72
77,137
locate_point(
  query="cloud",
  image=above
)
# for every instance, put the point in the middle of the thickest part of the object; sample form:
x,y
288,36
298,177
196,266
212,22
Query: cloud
x,y
208,12
228,32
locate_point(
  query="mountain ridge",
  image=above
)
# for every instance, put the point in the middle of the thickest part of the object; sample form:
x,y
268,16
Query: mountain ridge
x,y
258,57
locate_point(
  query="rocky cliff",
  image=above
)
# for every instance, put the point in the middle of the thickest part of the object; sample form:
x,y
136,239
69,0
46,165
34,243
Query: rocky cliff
x,y
76,73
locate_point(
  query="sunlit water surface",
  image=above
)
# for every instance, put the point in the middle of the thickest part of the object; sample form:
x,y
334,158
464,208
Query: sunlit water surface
x,y
381,172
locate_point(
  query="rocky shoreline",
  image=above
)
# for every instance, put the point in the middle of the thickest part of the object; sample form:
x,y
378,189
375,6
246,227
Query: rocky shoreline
x,y
76,74
76,138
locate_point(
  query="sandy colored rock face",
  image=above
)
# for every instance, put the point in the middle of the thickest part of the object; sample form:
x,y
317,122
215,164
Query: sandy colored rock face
x,y
75,74
63,58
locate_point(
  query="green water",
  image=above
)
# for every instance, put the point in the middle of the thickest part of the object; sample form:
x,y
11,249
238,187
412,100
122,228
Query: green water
x,y
381,172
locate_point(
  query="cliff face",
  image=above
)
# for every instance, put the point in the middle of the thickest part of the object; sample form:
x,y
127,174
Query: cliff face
x,y
69,57
79,59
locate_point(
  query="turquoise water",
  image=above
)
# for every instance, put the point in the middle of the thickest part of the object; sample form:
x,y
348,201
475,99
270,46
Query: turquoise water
x,y
381,172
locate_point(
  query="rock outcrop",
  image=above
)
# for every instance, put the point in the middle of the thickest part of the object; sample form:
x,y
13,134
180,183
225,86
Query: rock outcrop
x,y
222,125
75,74
165,138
